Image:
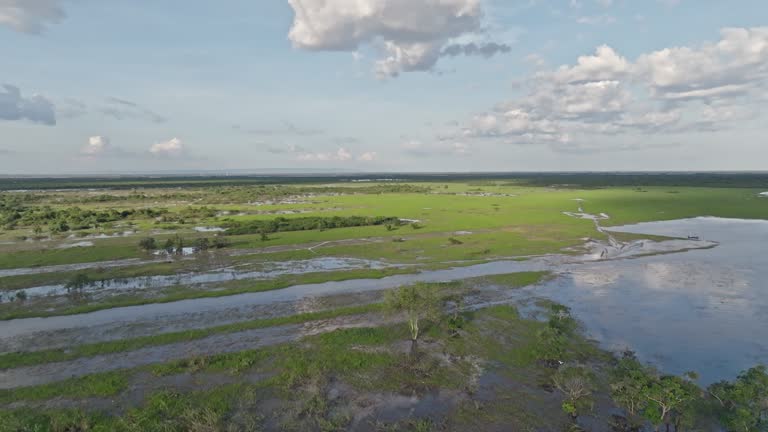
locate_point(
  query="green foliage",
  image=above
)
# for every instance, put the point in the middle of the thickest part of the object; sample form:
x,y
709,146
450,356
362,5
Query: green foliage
x,y
670,399
19,359
78,283
659,399
96,385
554,338
629,380
418,302
148,243
281,224
16,213
742,405
577,383
202,244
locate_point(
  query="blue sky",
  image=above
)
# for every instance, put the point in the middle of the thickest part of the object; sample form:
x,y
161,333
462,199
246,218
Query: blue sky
x,y
382,85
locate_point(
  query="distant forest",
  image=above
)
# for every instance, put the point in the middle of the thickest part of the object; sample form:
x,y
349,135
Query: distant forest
x,y
581,180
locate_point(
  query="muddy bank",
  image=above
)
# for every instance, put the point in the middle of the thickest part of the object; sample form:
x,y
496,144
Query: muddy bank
x,y
219,344
109,331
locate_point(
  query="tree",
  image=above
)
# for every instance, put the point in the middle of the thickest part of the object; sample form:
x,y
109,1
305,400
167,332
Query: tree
x,y
553,339
77,284
202,244
21,296
264,235
577,384
743,404
667,395
178,245
220,243
148,244
169,246
629,381
418,302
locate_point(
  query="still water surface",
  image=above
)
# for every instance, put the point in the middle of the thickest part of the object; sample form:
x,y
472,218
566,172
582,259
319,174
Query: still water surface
x,y
702,310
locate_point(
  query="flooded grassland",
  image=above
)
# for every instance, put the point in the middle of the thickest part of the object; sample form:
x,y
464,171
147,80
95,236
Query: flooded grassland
x,y
210,326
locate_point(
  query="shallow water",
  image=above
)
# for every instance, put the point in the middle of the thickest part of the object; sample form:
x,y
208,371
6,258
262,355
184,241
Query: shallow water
x,y
205,229
703,310
269,271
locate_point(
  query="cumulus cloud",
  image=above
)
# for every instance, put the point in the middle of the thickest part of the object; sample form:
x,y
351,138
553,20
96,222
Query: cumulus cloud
x,y
30,16
674,90
14,106
411,35
174,147
735,65
342,154
97,145
368,157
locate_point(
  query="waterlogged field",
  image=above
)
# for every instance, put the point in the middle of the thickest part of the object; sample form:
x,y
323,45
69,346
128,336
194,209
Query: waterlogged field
x,y
319,304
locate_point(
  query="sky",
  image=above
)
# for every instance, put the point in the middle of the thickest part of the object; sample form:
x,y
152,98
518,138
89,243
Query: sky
x,y
117,86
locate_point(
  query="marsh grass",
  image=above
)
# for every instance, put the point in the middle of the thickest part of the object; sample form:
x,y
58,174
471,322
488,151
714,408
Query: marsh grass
x,y
19,359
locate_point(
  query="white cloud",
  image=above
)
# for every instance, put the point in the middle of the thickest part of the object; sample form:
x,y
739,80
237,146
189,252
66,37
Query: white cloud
x,y
30,16
97,145
341,155
412,34
735,65
171,148
604,65
36,108
368,156
596,19
674,90
417,148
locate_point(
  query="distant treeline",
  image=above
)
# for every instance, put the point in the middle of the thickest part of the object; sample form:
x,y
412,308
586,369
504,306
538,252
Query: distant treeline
x,y
703,179
13,215
306,223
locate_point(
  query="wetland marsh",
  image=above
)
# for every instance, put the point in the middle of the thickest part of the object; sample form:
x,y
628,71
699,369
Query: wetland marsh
x,y
265,304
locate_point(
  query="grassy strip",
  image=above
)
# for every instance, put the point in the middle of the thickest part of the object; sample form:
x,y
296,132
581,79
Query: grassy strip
x,y
95,385
14,360
20,359
237,287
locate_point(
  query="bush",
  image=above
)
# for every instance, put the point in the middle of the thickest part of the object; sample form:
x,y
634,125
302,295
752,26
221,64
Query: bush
x,y
282,224
148,244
